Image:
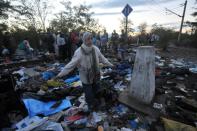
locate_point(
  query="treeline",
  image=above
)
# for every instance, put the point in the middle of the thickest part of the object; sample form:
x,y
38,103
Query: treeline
x,y
32,18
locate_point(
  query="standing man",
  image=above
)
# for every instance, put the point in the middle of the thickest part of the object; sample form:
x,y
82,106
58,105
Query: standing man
x,y
50,44
74,41
87,58
98,37
114,39
104,41
61,46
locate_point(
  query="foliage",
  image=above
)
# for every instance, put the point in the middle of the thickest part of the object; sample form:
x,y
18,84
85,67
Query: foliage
x,y
4,6
74,18
31,14
30,18
129,25
142,28
193,26
165,35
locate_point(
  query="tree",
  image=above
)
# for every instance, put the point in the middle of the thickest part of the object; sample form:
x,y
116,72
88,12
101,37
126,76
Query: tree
x,y
74,18
165,35
129,25
142,28
32,14
4,6
193,26
64,20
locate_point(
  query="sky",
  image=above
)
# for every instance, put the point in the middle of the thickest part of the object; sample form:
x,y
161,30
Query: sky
x,y
108,12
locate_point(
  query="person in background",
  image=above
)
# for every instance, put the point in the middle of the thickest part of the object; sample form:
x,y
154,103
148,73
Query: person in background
x,y
61,46
25,46
74,41
87,59
7,42
122,36
50,44
55,44
6,54
114,39
69,46
94,41
80,42
98,37
66,45
104,41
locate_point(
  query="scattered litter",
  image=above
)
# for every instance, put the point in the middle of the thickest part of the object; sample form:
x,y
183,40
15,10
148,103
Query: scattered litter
x,y
28,123
157,106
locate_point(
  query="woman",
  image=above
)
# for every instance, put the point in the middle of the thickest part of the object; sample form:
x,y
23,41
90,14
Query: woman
x,y
87,58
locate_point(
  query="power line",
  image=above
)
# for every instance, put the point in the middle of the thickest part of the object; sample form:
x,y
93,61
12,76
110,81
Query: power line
x,y
157,9
159,5
173,12
177,7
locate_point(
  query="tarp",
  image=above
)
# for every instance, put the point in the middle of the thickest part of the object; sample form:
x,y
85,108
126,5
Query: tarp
x,y
35,107
171,125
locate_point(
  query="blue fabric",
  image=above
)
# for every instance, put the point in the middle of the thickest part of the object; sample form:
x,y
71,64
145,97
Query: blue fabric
x,y
47,75
122,72
121,50
123,66
133,124
72,79
94,40
35,107
129,71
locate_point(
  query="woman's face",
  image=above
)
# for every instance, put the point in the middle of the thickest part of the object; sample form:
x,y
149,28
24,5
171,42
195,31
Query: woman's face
x,y
89,40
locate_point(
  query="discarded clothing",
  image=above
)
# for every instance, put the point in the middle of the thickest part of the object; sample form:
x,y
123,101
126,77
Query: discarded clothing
x,y
47,75
54,83
193,70
58,94
72,79
71,119
76,84
35,107
123,66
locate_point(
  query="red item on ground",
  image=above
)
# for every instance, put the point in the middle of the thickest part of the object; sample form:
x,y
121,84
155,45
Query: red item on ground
x,y
71,119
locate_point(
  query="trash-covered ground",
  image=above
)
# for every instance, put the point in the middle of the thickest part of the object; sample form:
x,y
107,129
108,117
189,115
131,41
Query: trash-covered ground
x,y
38,103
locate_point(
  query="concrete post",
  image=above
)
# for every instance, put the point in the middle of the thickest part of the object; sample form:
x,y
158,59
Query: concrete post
x,y
142,86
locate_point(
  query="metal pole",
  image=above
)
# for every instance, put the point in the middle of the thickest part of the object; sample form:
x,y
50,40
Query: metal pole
x,y
179,36
61,22
126,26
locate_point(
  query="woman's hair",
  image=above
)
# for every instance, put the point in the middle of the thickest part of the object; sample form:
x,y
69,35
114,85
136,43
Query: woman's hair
x,y
86,35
